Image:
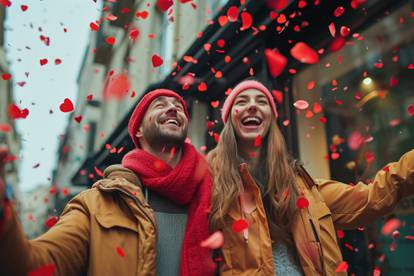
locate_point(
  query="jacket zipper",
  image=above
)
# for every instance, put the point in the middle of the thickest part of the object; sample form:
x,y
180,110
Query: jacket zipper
x,y
135,200
319,244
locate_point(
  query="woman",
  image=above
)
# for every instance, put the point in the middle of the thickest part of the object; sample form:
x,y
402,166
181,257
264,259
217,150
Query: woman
x,y
276,220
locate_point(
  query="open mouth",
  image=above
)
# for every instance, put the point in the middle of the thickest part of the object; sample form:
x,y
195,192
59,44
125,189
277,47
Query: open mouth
x,y
252,121
171,121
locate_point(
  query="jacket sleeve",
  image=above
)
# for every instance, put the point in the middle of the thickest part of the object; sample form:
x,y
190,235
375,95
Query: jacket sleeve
x,y
65,245
353,206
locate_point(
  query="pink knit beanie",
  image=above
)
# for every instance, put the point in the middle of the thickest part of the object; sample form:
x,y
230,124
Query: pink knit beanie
x,y
244,85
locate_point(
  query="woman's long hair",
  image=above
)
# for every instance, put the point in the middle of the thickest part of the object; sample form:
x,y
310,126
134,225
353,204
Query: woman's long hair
x,y
280,190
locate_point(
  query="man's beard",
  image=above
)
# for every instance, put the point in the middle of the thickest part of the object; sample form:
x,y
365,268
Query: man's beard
x,y
156,137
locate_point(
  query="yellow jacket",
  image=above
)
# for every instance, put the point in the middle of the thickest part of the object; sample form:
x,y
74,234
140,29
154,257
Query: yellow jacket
x,y
106,230
332,205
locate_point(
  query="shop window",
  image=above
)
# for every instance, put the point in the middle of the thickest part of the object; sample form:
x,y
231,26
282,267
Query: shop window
x,y
365,93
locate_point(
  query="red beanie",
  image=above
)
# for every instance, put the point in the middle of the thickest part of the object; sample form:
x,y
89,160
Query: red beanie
x,y
244,85
141,109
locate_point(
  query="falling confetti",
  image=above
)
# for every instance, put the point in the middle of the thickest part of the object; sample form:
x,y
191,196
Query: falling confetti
x,y
275,62
117,87
342,267
303,53
110,40
51,221
239,225
277,4
46,270
302,203
247,20
390,226
301,104
233,14
156,60
214,241
120,251
16,113
164,5
66,106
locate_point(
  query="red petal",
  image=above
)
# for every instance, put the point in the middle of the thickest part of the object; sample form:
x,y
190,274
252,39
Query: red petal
x,y
46,270
337,44
202,87
305,54
110,40
5,76
301,104
410,110
275,62
247,20
233,13
239,225
302,203
215,241
339,11
94,27
164,5
120,251
117,87
51,221
257,141
390,226
277,4
342,267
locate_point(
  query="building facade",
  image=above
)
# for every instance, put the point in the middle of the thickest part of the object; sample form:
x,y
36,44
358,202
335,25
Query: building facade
x,y
360,105
8,132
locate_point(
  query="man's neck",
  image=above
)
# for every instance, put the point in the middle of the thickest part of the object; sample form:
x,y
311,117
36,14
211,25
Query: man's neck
x,y
168,153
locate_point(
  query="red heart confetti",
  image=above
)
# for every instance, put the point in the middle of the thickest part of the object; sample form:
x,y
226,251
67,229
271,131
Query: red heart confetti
x,y
164,5
302,203
117,87
342,267
303,53
94,27
78,118
45,270
275,62
120,251
278,96
390,226
395,234
222,20
233,13
43,61
214,241
133,34
66,106
5,3
410,109
51,221
58,61
239,225
214,104
277,4
156,60
247,20
257,141
339,11
110,40
301,104
337,44
6,76
202,87
345,31
5,127
143,14
16,113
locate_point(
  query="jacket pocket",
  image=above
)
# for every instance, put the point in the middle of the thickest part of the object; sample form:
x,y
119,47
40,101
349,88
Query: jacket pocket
x,y
111,221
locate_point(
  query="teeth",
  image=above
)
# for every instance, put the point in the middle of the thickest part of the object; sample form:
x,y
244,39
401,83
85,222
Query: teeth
x,y
172,121
252,119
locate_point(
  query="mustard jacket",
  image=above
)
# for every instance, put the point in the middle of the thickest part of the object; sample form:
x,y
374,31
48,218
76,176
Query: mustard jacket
x,y
106,230
332,205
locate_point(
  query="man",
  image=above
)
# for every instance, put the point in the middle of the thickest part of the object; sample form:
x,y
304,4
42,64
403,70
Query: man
x,y
138,218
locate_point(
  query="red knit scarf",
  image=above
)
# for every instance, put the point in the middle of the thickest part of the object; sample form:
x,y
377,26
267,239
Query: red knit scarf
x,y
189,183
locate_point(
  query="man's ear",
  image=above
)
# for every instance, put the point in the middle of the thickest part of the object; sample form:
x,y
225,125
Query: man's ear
x,y
139,133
